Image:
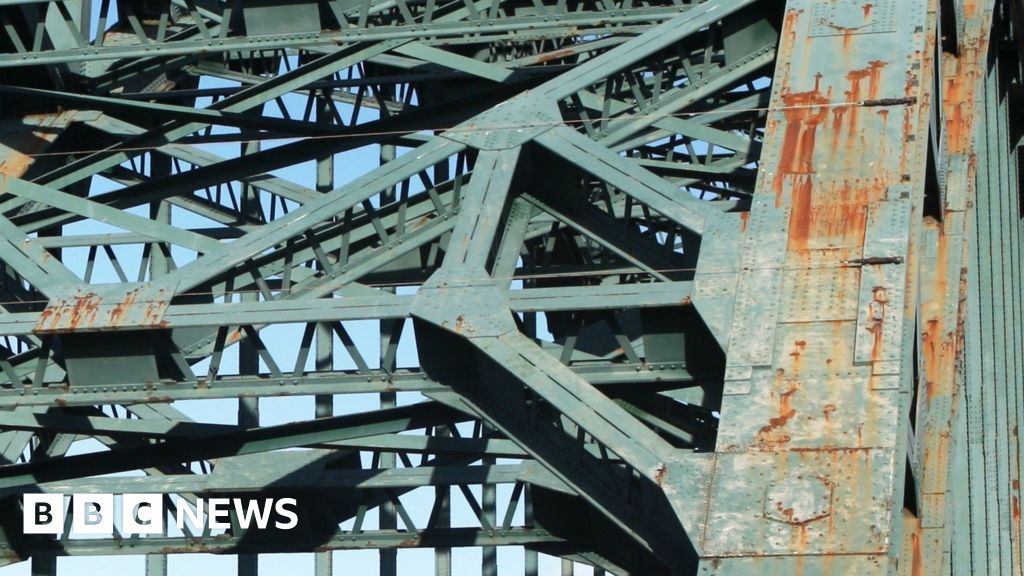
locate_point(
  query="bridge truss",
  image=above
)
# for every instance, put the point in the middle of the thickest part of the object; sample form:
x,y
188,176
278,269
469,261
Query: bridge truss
x,y
654,286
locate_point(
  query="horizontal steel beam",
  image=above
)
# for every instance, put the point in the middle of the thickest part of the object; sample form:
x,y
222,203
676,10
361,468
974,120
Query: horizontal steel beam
x,y
225,543
556,26
363,479
600,297
16,477
657,376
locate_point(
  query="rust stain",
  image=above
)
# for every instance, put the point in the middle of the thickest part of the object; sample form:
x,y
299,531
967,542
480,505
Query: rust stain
x,y
958,102
17,165
801,216
917,562
83,312
833,451
153,312
44,317
828,410
556,55
804,112
780,421
867,10
744,220
796,355
20,150
789,22
877,309
798,348
970,9
660,473
930,349
787,512
873,74
908,134
834,218
117,313
768,436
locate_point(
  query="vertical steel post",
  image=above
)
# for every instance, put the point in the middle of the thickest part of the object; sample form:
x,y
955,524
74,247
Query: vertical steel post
x,y
812,441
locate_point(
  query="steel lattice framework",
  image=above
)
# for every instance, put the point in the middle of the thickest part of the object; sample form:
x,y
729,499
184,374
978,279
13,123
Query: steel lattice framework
x,y
659,286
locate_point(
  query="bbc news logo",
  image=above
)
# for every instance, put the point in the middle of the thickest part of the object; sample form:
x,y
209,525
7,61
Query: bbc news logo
x,y
145,513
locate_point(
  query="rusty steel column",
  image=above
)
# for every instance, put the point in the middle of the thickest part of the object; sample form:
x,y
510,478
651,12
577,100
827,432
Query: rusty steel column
x,y
813,438
945,258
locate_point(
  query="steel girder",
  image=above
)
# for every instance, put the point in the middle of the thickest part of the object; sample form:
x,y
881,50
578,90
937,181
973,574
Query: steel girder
x,y
715,287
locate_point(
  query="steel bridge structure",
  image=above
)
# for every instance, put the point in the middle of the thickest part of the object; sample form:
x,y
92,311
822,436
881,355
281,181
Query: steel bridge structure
x,y
660,287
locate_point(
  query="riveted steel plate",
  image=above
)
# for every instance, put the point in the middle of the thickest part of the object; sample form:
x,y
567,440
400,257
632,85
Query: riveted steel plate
x,y
839,17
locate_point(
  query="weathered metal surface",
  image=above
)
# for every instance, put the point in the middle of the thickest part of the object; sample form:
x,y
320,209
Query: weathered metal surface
x,y
811,419
941,343
110,307
711,287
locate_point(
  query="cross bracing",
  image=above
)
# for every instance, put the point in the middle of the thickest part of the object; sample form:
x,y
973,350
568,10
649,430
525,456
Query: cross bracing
x,y
719,287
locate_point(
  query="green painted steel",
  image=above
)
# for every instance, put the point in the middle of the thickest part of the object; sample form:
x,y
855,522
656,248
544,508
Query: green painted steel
x,y
670,287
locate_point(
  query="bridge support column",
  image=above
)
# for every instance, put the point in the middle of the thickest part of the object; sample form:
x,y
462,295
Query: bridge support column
x,y
812,446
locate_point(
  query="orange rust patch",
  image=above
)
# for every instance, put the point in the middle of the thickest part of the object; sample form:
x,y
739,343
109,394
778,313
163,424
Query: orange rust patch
x,y
789,23
917,562
786,412
768,435
801,216
804,111
779,422
873,74
876,317
556,55
659,474
787,512
836,217
16,165
828,410
970,9
121,308
21,149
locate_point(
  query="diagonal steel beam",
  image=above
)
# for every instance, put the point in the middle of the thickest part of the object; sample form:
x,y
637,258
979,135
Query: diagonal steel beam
x,y
481,208
18,476
512,369
242,101
168,112
33,263
676,205
92,210
656,38
309,215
